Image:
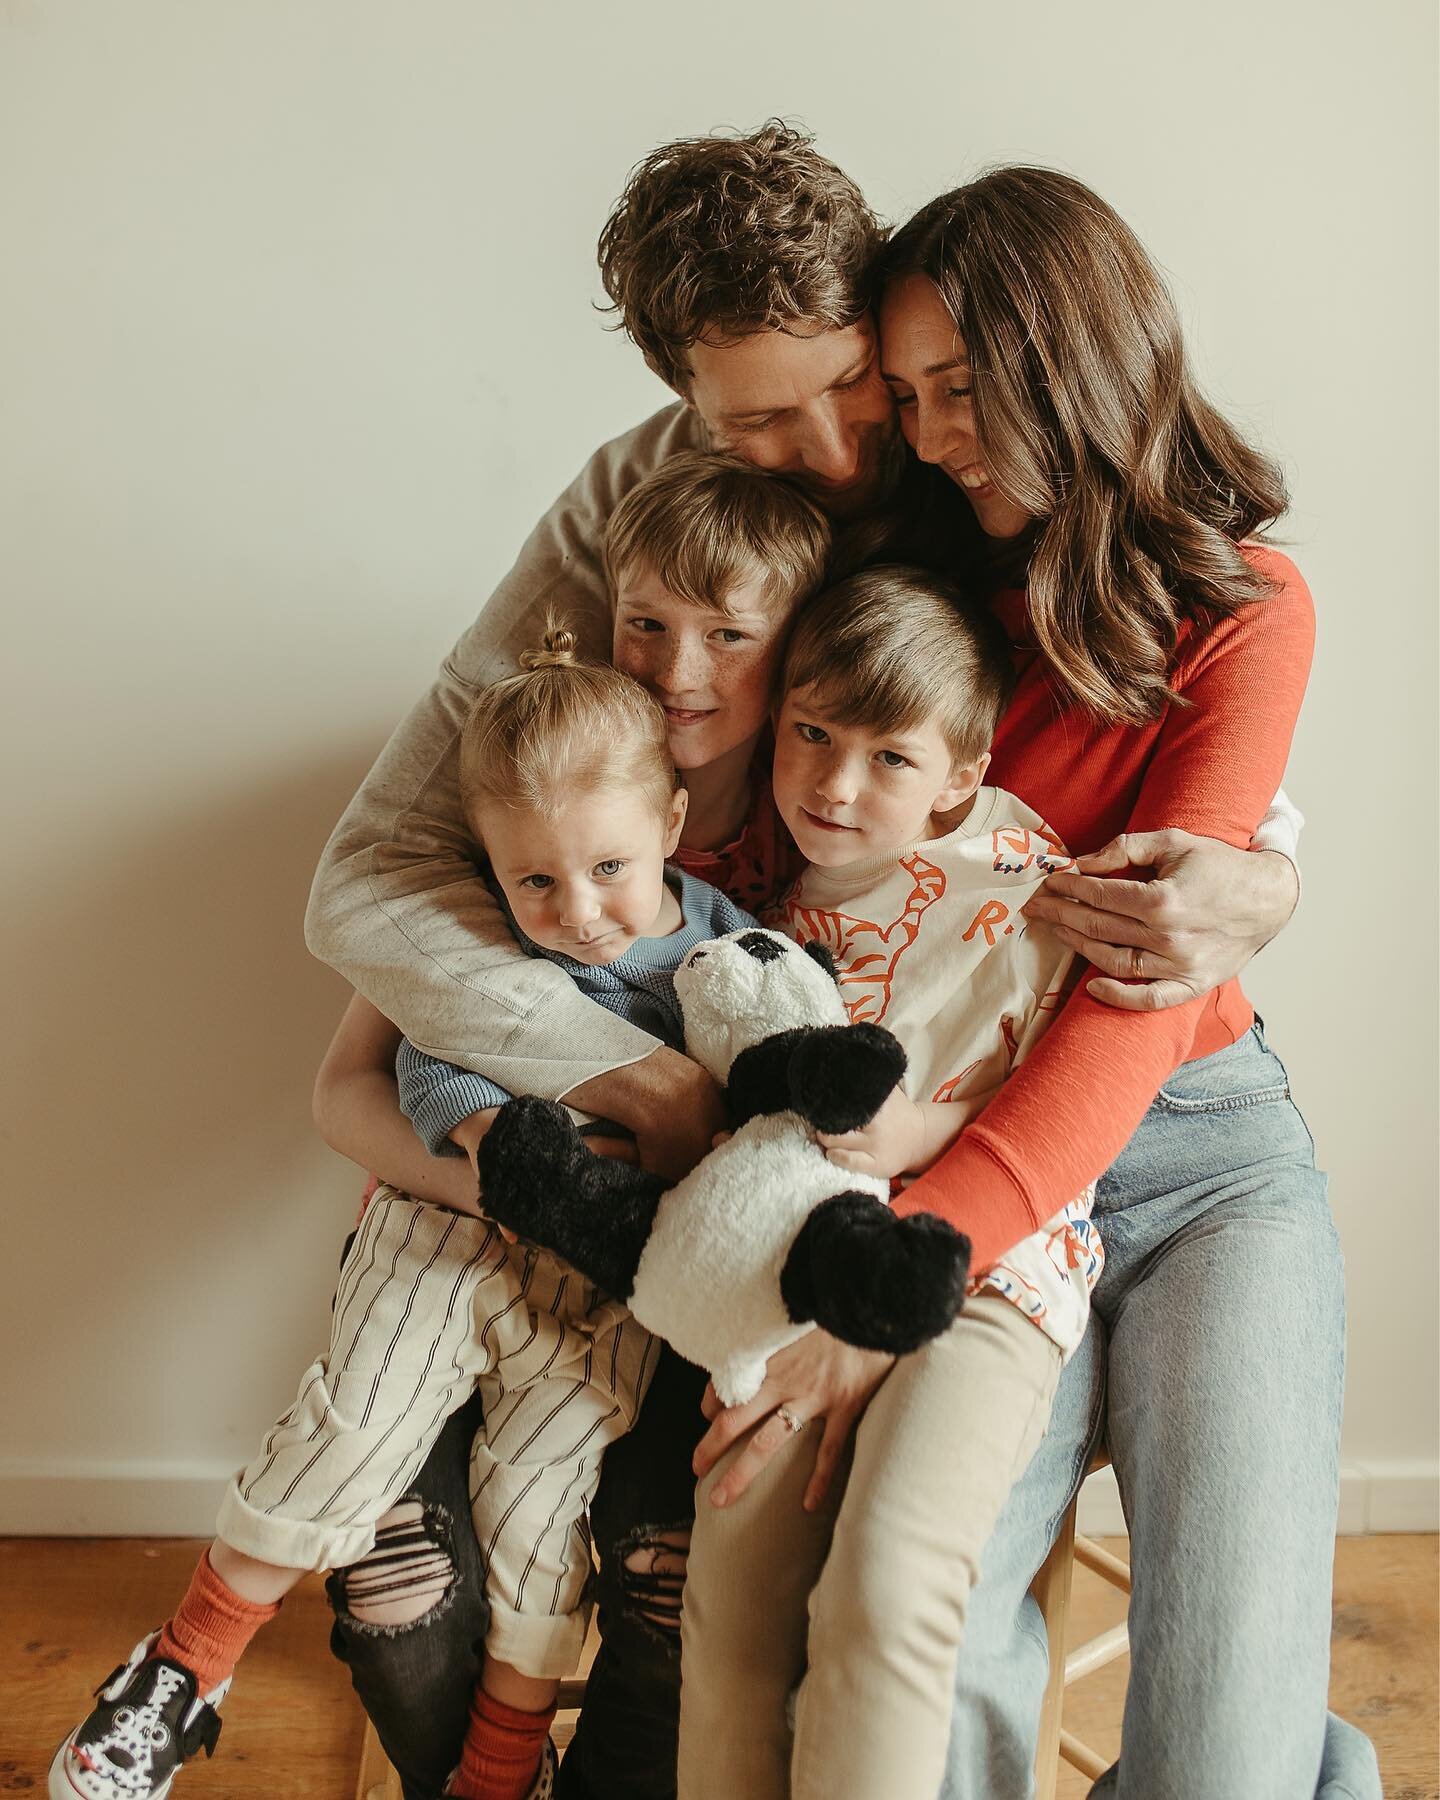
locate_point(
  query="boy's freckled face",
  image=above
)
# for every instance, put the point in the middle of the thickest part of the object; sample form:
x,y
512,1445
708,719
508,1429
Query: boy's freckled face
x,y
846,792
711,669
589,879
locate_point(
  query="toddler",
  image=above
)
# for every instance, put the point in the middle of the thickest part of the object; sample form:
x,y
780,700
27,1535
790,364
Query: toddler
x,y
568,781
916,879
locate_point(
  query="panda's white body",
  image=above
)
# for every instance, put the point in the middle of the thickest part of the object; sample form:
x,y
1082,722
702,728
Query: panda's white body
x,y
708,1280
709,1277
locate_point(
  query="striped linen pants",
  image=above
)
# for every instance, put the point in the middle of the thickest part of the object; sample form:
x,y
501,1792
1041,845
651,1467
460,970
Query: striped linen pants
x,y
431,1304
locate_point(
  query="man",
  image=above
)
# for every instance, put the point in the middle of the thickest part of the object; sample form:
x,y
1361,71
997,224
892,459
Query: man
x,y
785,375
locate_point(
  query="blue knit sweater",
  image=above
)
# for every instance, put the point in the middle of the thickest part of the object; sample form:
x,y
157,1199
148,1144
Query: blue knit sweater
x,y
640,985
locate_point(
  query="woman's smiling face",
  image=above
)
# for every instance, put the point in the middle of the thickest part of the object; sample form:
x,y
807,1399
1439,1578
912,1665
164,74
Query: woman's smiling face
x,y
923,360
711,668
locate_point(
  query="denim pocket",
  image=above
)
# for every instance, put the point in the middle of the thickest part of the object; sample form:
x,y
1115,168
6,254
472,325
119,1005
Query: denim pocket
x,y
1242,1075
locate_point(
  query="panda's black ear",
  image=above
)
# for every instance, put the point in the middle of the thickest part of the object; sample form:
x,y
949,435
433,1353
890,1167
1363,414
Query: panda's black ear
x,y
817,952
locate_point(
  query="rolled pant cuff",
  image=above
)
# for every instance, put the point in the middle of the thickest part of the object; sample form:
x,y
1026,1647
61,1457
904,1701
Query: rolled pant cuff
x,y
290,1543
537,1645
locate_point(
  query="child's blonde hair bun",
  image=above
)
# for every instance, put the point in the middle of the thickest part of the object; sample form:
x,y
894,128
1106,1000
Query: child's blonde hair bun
x,y
563,725
559,649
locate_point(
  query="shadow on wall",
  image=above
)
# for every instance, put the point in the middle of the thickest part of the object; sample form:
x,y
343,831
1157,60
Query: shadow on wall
x,y
160,1088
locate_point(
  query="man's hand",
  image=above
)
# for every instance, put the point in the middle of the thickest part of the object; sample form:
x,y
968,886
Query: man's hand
x,y
817,1377
674,1108
893,1143
1191,914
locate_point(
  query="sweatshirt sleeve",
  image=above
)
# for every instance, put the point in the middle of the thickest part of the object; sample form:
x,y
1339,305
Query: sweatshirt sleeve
x,y
1069,1110
397,906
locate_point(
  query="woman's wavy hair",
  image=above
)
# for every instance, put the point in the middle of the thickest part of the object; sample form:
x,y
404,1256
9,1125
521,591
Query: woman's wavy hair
x,y
1089,418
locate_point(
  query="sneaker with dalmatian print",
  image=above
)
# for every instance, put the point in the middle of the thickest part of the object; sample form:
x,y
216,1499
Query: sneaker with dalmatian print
x,y
147,1719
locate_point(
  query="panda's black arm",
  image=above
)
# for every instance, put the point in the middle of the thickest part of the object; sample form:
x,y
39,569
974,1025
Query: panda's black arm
x,y
841,1075
540,1180
760,1077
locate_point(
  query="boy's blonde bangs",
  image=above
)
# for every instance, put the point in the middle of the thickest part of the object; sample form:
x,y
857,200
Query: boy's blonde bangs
x,y
705,524
892,648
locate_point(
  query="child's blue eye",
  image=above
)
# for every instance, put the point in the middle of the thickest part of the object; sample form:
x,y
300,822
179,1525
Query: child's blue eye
x,y
728,636
892,759
812,734
611,866
537,883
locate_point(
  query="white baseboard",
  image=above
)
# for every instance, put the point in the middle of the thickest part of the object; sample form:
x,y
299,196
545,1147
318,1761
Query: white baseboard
x,y
110,1499
181,1499
1398,1496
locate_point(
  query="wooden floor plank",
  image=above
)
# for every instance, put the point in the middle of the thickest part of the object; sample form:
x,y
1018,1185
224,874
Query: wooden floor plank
x,y
73,1607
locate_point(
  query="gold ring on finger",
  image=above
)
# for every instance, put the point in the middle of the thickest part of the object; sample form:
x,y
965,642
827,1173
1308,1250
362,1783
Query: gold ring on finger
x,y
792,1422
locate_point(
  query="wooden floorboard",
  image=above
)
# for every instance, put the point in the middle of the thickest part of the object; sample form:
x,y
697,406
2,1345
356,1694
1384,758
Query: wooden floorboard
x,y
72,1608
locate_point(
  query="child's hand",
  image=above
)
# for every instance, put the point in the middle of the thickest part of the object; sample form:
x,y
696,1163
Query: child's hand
x,y
893,1143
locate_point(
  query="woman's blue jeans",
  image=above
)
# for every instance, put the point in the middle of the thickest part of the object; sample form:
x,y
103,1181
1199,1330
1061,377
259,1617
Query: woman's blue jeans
x,y
1213,1371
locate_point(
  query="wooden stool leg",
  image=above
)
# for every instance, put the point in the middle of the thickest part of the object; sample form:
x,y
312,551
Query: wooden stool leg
x,y
377,1779
1051,1588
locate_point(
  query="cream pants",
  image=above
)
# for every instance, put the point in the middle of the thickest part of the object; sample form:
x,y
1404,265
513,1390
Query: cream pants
x,y
884,1574
430,1305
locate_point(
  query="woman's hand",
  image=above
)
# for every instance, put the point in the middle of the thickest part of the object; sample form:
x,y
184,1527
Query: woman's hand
x,y
1190,917
817,1377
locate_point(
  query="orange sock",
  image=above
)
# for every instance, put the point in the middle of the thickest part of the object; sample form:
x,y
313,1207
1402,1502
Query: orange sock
x,y
211,1627
503,1747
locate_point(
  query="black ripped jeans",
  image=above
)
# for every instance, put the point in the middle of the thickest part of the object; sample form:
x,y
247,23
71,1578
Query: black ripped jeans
x,y
416,1680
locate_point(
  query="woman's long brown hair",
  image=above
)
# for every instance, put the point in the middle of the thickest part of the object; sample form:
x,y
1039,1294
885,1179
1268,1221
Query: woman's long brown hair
x,y
1088,417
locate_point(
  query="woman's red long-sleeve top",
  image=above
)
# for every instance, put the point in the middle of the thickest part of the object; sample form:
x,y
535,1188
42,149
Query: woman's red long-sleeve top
x,y
1212,768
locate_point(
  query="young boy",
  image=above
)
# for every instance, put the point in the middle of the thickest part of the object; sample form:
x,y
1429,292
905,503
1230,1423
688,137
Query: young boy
x,y
916,877
568,781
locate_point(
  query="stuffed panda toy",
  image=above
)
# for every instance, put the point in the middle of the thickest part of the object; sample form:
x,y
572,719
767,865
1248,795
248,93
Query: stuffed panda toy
x,y
766,1237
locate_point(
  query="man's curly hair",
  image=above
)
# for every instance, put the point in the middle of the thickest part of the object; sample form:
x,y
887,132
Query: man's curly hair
x,y
718,237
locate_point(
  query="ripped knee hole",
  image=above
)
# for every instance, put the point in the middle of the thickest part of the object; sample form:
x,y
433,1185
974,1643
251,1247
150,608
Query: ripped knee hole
x,y
652,1577
408,1576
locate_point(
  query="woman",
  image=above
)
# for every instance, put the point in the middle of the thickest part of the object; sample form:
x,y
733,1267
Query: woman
x,y
1161,654
1085,455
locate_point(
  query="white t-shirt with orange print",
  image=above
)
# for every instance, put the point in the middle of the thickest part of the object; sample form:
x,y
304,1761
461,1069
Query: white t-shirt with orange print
x,y
931,943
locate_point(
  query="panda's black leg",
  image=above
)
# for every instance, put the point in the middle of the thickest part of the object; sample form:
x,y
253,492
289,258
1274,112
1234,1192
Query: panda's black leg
x,y
540,1180
841,1075
874,1280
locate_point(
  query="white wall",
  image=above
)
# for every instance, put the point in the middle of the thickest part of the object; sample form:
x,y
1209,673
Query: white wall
x,y
297,341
